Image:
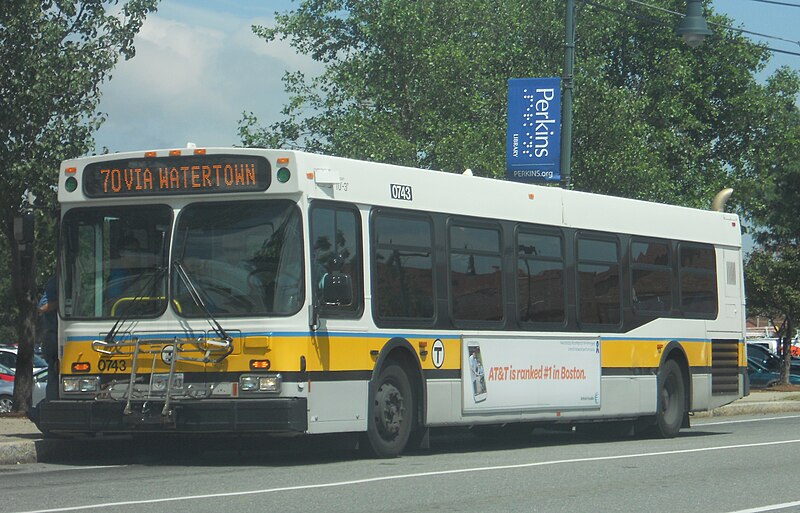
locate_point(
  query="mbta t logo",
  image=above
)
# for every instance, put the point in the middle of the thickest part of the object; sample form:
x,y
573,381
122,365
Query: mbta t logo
x,y
438,353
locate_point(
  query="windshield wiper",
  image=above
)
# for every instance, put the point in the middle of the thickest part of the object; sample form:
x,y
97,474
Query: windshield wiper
x,y
158,272
198,300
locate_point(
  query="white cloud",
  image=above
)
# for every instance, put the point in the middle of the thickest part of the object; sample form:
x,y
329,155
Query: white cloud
x,y
195,71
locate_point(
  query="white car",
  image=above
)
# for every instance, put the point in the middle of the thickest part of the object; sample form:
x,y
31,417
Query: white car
x,y
8,357
770,344
7,391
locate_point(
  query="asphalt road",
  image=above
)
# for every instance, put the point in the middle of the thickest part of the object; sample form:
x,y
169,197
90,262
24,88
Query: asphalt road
x,y
720,465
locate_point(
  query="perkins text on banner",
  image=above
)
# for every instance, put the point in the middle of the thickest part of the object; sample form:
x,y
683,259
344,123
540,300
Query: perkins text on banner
x,y
533,151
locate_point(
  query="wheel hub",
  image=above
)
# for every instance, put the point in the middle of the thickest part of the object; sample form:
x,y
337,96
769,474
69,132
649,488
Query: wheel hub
x,y
668,405
389,410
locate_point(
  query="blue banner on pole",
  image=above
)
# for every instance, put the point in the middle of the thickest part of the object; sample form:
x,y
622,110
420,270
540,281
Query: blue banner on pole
x,y
533,151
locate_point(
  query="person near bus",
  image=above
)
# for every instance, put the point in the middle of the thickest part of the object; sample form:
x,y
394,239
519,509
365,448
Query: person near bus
x,y
48,308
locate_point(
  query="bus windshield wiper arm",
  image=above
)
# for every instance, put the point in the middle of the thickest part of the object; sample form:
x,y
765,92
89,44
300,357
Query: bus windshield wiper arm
x,y
198,300
157,273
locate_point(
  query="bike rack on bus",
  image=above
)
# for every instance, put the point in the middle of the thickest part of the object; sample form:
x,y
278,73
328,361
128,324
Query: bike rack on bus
x,y
214,350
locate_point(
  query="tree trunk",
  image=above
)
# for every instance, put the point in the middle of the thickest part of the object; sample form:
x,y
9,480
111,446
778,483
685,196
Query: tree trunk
x,y
786,350
23,284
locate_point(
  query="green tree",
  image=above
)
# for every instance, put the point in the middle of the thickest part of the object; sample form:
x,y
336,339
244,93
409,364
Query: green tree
x,y
54,56
772,282
776,214
772,271
424,84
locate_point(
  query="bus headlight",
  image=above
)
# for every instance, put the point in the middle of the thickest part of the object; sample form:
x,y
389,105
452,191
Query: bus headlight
x,y
80,384
260,383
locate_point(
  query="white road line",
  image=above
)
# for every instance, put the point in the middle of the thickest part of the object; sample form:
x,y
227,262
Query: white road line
x,y
78,467
743,421
773,507
416,475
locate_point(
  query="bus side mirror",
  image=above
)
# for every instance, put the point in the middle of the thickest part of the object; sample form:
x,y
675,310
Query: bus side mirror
x,y
337,289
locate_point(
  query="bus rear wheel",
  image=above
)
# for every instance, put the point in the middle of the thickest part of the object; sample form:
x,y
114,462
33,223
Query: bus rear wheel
x,y
671,400
391,413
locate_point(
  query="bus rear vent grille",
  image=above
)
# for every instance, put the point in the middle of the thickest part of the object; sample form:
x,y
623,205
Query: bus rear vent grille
x,y
724,366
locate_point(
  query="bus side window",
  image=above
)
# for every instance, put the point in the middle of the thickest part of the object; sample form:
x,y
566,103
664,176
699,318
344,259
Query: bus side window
x,y
336,274
698,280
599,298
651,276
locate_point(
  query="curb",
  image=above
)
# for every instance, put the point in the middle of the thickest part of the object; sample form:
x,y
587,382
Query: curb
x,y
751,408
53,450
14,453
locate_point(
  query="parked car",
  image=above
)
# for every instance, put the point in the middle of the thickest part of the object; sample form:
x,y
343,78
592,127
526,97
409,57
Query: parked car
x,y
762,377
37,393
6,374
770,344
39,386
6,396
8,357
769,359
763,356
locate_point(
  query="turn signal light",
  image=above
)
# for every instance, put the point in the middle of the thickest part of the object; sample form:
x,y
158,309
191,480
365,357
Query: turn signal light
x,y
81,367
260,364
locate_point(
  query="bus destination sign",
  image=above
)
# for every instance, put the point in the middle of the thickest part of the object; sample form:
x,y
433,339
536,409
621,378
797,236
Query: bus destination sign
x,y
186,174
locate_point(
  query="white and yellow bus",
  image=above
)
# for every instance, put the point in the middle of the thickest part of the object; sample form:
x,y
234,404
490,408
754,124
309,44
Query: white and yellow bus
x,y
234,290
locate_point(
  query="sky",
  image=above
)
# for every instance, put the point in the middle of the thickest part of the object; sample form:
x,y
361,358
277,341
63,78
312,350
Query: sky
x,y
198,67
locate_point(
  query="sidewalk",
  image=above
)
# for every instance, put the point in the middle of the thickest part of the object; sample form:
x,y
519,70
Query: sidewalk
x,y
21,442
759,402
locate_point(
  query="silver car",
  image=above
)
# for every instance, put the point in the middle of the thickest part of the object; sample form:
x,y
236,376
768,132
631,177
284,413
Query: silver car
x,y
7,391
8,357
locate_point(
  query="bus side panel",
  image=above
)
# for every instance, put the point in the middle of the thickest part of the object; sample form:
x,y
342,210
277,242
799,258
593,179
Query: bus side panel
x,y
701,392
444,402
624,397
337,406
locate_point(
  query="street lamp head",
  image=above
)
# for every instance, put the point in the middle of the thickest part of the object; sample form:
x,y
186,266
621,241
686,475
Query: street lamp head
x,y
693,28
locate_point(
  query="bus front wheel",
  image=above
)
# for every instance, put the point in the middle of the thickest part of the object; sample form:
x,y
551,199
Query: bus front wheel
x,y
671,400
391,413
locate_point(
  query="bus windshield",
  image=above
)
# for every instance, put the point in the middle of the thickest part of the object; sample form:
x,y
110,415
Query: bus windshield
x,y
114,261
243,258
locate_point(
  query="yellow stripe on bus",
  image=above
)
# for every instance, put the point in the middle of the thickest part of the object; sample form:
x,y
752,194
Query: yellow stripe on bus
x,y
648,353
359,353
322,353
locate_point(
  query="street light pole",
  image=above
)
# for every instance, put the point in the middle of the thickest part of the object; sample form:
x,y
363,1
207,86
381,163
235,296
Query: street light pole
x,y
566,105
693,28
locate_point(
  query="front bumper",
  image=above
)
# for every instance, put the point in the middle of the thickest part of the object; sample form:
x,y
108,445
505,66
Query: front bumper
x,y
276,415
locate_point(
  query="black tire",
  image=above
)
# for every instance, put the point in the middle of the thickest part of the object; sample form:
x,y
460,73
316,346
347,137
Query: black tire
x,y
391,413
671,398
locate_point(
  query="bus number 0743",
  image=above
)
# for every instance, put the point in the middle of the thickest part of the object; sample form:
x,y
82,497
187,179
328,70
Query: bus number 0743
x,y
401,192
105,365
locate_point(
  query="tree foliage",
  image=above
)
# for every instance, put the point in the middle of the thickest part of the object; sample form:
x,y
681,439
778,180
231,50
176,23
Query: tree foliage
x,y
772,282
777,216
424,84
54,55
772,271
